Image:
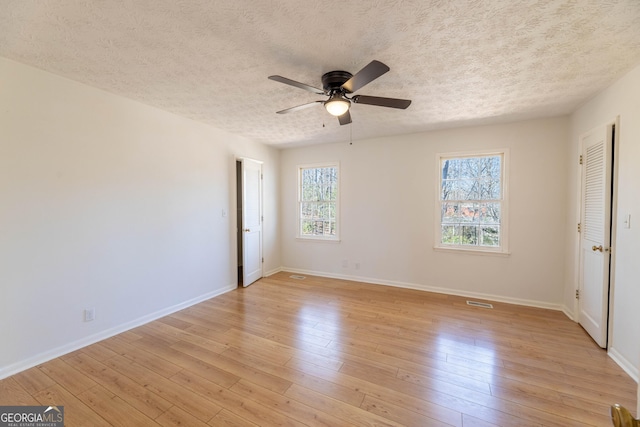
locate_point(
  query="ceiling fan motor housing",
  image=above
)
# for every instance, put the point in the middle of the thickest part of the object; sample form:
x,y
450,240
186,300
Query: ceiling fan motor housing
x,y
333,80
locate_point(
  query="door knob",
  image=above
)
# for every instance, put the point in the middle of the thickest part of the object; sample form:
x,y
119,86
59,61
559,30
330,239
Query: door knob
x,y
596,248
246,230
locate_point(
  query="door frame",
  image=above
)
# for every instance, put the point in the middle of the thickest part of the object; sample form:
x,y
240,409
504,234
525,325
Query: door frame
x,y
239,248
614,209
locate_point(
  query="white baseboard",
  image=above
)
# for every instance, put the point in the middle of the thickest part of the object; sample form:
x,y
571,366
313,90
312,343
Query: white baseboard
x,y
272,272
439,290
627,366
568,313
38,359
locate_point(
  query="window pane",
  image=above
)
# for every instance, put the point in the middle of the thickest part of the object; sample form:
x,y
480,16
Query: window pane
x,y
490,189
450,169
469,235
489,167
468,189
329,228
306,192
312,227
331,208
471,195
490,236
308,210
489,213
319,184
451,234
469,212
446,189
323,211
327,180
318,201
307,227
450,213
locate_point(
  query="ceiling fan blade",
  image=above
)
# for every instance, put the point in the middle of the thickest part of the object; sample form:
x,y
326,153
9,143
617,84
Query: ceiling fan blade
x,y
365,76
299,107
297,84
345,119
382,102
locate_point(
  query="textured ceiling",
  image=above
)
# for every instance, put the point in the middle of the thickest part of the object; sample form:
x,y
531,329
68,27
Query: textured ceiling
x,y
460,61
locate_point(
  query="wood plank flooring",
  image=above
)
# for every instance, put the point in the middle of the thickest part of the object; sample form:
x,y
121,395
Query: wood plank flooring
x,y
326,352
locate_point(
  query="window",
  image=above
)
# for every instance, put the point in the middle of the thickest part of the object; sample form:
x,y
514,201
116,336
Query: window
x,y
471,206
318,202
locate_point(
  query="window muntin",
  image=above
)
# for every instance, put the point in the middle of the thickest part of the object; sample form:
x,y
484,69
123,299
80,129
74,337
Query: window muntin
x,y
318,201
471,202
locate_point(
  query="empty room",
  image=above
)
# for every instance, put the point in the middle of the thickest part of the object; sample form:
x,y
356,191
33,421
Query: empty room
x,y
298,213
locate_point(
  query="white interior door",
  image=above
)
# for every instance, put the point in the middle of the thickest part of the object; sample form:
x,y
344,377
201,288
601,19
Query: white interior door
x,y
251,221
595,236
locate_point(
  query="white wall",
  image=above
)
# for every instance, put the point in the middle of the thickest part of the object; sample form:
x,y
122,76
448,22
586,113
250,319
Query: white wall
x,y
108,203
621,99
387,213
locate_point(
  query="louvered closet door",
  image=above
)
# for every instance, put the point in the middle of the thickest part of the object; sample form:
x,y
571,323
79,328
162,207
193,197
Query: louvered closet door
x,y
596,233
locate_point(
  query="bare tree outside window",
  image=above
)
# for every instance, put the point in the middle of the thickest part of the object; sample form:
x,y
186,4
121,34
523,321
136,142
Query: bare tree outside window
x,y
471,197
318,198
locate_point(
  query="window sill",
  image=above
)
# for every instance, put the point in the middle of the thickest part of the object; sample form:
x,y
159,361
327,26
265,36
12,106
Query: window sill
x,y
472,251
317,240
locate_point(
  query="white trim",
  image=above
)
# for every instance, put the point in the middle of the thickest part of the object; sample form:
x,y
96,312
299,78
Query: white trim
x,y
624,364
272,272
470,251
568,313
338,225
240,158
318,239
615,123
428,288
503,249
578,236
46,356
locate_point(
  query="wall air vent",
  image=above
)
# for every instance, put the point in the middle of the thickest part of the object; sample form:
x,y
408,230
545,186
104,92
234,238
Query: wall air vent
x,y
479,304
295,276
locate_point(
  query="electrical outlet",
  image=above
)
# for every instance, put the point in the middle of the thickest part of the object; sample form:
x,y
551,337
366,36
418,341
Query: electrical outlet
x,y
345,263
89,314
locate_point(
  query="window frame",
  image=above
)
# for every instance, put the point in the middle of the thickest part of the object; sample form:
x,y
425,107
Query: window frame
x,y
299,235
503,249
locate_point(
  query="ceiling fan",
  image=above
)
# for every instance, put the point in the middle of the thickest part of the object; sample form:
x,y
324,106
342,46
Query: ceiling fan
x,y
338,85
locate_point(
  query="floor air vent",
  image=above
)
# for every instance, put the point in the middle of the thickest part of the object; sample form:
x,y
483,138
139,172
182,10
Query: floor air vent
x,y
479,304
295,276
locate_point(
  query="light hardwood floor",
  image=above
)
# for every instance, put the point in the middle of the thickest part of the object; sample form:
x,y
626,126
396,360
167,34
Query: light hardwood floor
x,y
335,353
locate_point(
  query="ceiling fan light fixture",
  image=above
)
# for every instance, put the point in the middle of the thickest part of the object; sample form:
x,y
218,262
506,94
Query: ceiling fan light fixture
x,y
337,106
